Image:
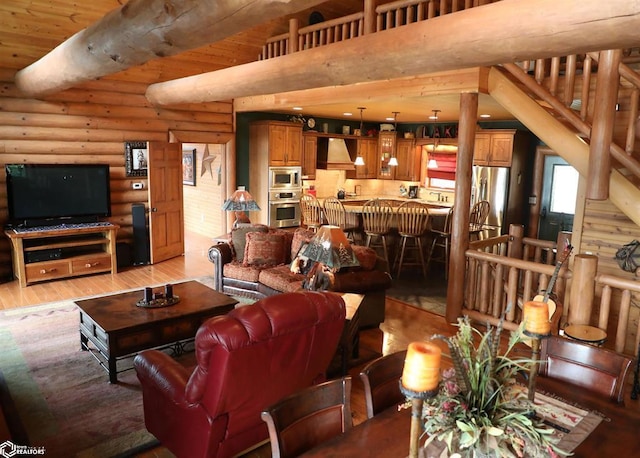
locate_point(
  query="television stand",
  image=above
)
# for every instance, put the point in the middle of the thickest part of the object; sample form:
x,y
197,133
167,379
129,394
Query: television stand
x,y
50,253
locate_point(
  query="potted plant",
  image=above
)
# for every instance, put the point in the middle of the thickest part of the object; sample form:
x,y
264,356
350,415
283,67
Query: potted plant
x,y
479,409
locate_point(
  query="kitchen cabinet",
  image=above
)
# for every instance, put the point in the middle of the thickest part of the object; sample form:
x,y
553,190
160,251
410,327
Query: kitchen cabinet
x,y
281,140
494,147
409,157
386,150
367,147
309,155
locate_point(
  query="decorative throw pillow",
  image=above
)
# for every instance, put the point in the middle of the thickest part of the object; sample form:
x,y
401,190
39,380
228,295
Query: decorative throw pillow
x,y
301,236
239,238
264,249
367,256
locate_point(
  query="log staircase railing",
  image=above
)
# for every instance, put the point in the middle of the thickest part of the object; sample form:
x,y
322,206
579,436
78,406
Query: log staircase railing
x,y
496,280
542,78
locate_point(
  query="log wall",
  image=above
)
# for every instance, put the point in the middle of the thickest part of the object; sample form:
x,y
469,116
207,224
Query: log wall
x,y
90,124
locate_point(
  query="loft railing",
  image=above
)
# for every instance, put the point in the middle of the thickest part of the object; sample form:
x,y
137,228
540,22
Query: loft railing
x,y
384,17
506,271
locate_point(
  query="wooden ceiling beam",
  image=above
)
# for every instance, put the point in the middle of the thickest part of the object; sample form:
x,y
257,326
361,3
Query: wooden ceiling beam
x,y
442,83
484,36
142,30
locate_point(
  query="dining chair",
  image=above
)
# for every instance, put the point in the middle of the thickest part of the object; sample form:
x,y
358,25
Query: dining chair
x,y
336,215
478,218
413,224
381,380
309,417
593,368
311,212
377,216
441,239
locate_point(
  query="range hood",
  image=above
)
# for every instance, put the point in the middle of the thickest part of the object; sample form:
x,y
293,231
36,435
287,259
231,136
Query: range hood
x,y
333,154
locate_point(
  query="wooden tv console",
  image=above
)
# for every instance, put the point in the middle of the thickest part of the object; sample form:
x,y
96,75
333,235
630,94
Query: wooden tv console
x,y
63,251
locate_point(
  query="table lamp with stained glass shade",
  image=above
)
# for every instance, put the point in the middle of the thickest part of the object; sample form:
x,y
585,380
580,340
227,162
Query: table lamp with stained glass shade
x,y
240,202
331,251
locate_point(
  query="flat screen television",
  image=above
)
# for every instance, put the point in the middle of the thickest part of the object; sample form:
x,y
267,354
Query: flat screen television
x,y
49,194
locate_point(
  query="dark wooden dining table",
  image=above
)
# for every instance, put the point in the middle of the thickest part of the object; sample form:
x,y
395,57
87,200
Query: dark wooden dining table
x,y
387,434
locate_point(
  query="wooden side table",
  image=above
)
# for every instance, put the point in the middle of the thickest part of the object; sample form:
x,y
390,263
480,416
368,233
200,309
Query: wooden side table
x,y
585,333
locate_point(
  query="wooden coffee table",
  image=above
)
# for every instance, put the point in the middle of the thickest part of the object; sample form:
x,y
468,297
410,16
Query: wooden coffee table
x,y
118,328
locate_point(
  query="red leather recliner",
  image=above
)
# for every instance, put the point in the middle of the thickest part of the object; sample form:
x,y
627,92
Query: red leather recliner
x,y
246,361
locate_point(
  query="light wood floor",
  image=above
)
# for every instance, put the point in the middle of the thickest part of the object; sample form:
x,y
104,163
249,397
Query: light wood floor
x,y
193,264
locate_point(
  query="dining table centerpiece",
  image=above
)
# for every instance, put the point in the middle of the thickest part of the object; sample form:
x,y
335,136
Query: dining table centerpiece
x,y
479,409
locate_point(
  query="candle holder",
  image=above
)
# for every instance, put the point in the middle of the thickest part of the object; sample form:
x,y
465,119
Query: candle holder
x,y
417,401
537,327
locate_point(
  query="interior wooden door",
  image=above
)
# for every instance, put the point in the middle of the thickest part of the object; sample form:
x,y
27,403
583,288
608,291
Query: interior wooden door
x,y
166,218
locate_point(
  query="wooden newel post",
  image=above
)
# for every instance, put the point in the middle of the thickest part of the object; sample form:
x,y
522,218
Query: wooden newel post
x,y
369,16
514,246
582,288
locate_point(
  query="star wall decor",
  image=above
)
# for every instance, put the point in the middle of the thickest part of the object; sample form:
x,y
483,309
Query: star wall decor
x,y
207,160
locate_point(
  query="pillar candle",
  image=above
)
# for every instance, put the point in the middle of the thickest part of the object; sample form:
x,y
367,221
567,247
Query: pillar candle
x,y
536,318
421,367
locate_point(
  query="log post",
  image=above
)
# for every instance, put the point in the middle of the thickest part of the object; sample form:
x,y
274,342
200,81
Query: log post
x,y
460,222
582,288
369,16
294,27
515,248
603,119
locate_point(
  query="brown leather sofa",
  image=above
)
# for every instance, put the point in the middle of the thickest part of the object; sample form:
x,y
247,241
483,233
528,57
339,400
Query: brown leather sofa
x,y
246,361
256,263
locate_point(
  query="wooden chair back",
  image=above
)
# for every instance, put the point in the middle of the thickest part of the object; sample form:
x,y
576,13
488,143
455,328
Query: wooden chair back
x,y
311,211
596,369
479,213
334,212
377,216
413,219
309,417
381,380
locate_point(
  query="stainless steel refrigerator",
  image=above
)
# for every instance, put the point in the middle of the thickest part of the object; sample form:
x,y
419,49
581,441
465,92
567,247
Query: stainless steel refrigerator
x,y
505,192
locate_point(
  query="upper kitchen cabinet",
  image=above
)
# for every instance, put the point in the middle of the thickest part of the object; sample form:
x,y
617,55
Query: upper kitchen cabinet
x,y
309,155
281,140
408,156
386,150
494,147
367,147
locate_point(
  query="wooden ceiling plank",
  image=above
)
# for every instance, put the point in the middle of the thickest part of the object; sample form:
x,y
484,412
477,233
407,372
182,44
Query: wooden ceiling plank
x,y
158,28
422,48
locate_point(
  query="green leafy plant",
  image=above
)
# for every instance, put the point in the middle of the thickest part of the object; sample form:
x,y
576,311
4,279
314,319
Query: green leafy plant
x,y
479,407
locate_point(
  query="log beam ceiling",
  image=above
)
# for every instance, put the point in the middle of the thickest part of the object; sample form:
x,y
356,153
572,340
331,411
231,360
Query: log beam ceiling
x,y
142,30
484,36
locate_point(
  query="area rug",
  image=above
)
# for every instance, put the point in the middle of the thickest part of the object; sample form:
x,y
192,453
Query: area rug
x,y
63,399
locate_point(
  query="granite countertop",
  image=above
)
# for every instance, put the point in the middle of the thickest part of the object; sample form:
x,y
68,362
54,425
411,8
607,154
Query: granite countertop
x,y
363,198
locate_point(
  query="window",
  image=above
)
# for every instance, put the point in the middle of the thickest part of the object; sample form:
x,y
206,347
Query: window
x,y
564,189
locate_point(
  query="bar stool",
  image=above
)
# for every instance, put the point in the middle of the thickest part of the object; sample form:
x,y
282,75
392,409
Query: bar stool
x,y
377,215
413,223
336,215
441,238
311,212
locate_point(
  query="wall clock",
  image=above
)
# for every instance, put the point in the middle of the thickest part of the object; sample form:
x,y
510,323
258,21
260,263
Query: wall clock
x,y
311,123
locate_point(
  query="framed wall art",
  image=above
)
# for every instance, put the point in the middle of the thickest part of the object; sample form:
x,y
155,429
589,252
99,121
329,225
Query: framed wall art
x,y
136,158
189,167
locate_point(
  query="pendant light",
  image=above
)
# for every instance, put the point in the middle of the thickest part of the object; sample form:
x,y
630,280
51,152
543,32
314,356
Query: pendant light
x,y
359,159
394,161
